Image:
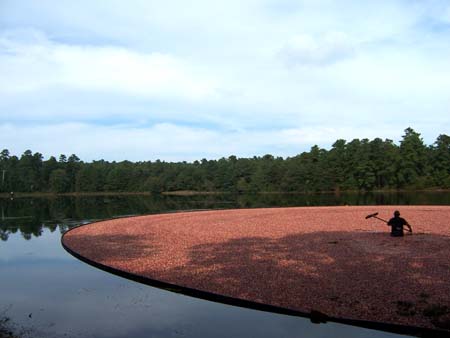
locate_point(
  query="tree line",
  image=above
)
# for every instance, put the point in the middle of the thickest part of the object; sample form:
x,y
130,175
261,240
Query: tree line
x,y
363,165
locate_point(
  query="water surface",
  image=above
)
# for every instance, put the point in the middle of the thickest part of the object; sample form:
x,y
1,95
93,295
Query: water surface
x,y
45,292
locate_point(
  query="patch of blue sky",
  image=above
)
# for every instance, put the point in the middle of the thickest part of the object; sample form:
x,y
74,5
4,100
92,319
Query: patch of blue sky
x,y
282,8
56,105
435,27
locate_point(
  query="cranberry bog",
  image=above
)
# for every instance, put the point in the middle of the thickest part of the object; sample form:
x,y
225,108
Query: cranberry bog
x,y
325,263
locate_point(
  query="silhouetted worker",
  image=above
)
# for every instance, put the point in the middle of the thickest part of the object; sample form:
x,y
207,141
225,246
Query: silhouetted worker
x,y
396,223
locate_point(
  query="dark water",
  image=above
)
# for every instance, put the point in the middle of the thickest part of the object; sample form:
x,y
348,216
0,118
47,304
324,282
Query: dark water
x,y
45,292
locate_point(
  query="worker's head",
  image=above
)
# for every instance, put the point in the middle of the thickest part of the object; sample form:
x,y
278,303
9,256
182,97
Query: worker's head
x,y
396,213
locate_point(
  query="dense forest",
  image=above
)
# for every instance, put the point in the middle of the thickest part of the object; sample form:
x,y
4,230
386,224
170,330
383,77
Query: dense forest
x,y
363,165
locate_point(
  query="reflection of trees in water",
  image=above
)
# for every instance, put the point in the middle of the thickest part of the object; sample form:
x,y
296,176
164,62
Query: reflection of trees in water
x,y
357,198
4,234
30,216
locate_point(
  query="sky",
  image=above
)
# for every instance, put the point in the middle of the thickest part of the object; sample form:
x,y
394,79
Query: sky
x,y
181,80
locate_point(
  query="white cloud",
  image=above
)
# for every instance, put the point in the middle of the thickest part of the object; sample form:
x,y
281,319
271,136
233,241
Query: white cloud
x,y
118,142
40,63
171,142
220,68
305,49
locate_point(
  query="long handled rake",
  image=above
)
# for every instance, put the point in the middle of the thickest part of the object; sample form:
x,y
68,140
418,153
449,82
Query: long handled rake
x,y
375,215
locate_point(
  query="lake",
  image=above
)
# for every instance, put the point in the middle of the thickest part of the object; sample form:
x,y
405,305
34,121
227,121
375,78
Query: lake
x,y
45,292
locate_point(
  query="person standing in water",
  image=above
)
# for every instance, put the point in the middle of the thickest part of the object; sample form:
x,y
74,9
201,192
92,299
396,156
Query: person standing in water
x,y
396,223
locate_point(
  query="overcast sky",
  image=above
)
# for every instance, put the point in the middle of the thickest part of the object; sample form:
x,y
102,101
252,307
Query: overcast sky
x,y
186,80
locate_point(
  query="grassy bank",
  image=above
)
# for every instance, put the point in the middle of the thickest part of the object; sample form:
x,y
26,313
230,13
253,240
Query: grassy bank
x,y
192,193
73,194
195,193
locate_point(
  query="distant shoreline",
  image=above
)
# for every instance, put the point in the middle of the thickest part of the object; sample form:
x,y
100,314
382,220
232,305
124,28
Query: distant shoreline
x,y
197,193
70,194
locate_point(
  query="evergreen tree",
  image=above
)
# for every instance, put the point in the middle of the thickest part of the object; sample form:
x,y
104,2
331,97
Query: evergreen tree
x,y
4,171
440,161
413,159
47,169
58,181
